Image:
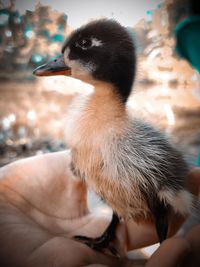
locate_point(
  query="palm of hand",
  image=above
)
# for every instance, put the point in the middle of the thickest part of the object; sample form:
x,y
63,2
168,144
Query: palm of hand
x,y
41,208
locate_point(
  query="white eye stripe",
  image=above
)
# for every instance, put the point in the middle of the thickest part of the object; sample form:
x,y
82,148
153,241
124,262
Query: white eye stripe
x,y
96,42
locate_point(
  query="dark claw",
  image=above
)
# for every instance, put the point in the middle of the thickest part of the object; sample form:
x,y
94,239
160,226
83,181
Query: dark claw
x,y
82,238
96,244
90,242
114,251
99,243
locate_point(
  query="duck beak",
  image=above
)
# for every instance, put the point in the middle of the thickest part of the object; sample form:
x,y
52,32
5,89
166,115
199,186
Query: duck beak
x,y
53,67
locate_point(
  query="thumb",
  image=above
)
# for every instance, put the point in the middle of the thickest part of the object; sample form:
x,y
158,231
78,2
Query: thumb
x,y
170,253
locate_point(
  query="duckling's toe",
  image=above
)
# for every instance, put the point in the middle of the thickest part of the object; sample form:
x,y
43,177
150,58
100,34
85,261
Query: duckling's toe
x,y
101,243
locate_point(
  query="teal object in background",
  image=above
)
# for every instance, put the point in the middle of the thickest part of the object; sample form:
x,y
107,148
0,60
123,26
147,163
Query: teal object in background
x,y
58,38
188,46
38,59
198,159
188,40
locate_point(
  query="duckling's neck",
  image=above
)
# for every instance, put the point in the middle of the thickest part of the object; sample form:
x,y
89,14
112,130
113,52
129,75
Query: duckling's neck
x,y
96,115
106,105
106,102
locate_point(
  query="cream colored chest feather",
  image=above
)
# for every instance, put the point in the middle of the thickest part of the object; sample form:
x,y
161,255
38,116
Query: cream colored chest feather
x,y
73,131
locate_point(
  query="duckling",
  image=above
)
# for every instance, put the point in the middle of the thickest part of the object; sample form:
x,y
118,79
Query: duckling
x,y
126,161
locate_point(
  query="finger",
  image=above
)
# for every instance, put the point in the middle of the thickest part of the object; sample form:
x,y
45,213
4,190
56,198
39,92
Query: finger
x,y
170,253
140,235
121,240
193,237
193,181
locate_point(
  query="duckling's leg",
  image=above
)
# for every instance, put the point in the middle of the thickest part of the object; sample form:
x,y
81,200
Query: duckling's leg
x,y
103,241
161,214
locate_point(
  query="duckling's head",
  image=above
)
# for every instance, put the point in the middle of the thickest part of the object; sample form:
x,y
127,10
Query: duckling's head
x,y
102,50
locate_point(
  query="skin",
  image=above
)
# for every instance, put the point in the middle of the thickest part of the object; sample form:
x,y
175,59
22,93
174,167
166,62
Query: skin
x,y
42,206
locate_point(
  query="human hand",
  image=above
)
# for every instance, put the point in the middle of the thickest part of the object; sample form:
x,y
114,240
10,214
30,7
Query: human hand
x,y
42,207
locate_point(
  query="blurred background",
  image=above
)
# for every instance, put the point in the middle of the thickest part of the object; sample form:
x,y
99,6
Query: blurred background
x,y
33,110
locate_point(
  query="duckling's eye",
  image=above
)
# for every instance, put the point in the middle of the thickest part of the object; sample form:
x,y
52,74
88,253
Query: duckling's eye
x,y
84,43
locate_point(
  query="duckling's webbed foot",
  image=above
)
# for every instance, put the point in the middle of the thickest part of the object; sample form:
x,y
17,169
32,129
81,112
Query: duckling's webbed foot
x,y
102,242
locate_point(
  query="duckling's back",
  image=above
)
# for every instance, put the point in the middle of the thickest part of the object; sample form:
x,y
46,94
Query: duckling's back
x,y
144,170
